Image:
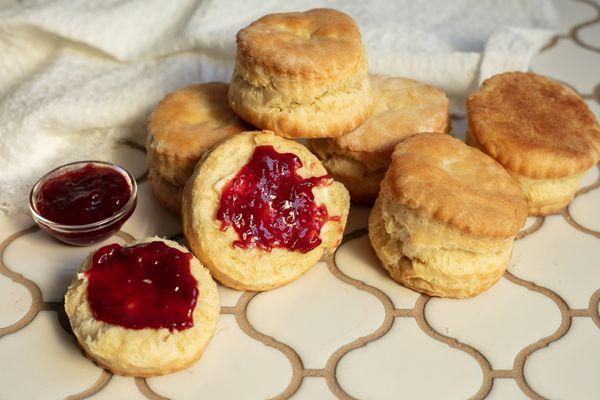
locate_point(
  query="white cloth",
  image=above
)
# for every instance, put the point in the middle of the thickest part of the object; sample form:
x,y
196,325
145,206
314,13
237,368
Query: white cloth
x,y
76,75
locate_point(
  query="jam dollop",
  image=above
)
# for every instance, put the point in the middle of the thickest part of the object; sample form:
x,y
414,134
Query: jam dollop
x,y
269,205
148,285
83,195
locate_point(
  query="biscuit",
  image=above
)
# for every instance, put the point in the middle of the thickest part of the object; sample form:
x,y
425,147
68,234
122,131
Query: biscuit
x,y
402,108
244,261
446,217
540,130
167,194
143,352
184,125
301,75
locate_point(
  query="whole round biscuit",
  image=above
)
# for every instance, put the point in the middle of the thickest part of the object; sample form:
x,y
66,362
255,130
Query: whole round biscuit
x,y
185,124
143,352
534,126
254,268
440,177
301,74
165,192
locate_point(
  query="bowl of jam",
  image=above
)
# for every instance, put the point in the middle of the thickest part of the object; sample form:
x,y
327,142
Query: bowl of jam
x,y
83,202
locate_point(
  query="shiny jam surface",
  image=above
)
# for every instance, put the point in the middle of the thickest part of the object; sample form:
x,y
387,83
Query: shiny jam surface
x,y
83,196
148,285
269,205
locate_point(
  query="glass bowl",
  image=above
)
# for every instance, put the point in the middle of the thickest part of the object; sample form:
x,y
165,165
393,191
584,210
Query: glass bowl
x,y
94,232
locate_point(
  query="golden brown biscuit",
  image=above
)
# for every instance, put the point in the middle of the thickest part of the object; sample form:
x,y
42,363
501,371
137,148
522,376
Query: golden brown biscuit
x,y
301,75
541,131
185,124
446,217
165,192
143,352
249,258
402,108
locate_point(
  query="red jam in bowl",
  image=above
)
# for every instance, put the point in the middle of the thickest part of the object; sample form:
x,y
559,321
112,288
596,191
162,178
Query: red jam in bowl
x,y
148,285
84,195
85,202
269,205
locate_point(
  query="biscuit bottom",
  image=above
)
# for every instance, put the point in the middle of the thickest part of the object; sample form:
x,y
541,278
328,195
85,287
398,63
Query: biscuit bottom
x,y
547,196
167,194
431,258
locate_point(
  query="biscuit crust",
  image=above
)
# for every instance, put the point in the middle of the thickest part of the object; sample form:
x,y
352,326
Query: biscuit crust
x,y
431,258
321,42
544,196
402,107
143,352
167,194
302,74
185,124
252,268
457,185
534,126
446,217
548,196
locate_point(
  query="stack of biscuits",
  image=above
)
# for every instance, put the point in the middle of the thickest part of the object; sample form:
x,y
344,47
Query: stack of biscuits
x,y
445,214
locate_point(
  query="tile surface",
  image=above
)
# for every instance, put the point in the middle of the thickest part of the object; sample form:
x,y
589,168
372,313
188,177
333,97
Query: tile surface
x,y
300,315
258,371
550,371
406,360
48,357
560,258
504,327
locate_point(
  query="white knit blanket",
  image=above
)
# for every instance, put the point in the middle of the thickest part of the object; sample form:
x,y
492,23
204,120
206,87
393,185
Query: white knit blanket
x,y
77,75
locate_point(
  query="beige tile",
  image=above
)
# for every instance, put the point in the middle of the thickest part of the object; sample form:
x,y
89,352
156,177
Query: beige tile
x,y
316,315
41,361
560,258
406,363
313,388
234,366
495,322
568,369
357,260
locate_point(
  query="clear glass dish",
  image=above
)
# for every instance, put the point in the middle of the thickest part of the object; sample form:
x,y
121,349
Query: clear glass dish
x,y
87,234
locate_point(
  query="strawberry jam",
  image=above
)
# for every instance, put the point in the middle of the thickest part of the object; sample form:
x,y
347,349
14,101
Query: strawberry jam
x,y
269,205
83,195
148,285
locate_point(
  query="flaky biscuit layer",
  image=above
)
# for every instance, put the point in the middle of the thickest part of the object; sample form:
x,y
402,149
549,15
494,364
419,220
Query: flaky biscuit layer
x,y
167,194
544,196
432,258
